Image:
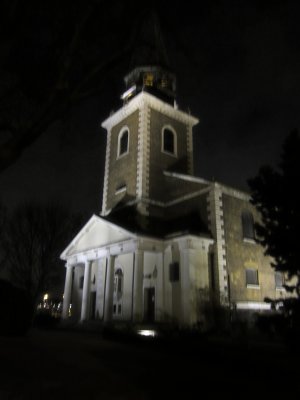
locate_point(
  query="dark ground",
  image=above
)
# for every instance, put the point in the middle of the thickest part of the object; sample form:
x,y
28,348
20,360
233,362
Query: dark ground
x,y
60,364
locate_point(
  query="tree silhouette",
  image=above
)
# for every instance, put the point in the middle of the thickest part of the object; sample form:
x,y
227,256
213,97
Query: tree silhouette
x,y
55,54
276,195
2,230
35,236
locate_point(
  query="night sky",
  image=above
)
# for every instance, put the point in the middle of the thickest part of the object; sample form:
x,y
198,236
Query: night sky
x,y
238,70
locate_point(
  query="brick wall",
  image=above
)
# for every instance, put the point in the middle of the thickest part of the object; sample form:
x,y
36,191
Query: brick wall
x,y
123,171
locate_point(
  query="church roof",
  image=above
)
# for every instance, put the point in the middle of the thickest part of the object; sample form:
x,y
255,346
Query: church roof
x,y
131,220
96,233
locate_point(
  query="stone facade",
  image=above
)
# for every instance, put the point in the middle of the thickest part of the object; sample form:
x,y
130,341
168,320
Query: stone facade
x,y
141,170
122,171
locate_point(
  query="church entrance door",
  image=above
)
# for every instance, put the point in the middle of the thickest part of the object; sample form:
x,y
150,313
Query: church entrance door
x,y
149,304
92,305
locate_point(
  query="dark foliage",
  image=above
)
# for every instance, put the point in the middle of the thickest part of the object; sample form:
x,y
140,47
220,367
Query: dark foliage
x,y
45,320
16,310
2,229
275,194
34,238
55,54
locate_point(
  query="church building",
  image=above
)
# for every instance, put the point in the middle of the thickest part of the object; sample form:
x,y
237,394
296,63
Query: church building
x,y
168,247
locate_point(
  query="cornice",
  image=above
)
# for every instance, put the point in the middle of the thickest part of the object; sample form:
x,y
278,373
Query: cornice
x,y
143,99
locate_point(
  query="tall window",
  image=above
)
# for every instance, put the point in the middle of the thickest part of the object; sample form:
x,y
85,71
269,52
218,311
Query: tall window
x,y
279,280
169,141
123,142
118,283
118,292
252,277
248,225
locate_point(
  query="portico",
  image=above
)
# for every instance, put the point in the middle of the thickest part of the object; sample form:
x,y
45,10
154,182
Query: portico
x,y
129,279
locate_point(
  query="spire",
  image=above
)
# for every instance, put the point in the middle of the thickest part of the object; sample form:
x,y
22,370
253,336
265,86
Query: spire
x,y
150,47
150,66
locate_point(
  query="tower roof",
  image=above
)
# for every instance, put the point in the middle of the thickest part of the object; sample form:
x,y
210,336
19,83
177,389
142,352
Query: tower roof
x,y
150,48
149,65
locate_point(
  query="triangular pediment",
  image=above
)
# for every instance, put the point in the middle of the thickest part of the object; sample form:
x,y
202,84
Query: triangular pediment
x,y
96,233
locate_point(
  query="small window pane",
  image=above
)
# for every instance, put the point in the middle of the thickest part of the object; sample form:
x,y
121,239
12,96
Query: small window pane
x,y
169,145
252,277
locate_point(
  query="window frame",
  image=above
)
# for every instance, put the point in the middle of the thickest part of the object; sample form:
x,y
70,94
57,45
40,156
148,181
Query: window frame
x,y
118,283
123,130
118,292
250,284
277,273
171,129
247,221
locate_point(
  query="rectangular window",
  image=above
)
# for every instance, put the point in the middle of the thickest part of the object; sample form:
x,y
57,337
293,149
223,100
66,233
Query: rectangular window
x,y
279,281
174,272
252,277
248,225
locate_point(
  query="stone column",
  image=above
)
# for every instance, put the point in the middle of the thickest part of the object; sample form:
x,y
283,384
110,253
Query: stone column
x,y
67,292
86,291
109,288
138,278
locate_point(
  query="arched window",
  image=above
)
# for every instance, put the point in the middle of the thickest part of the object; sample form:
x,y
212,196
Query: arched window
x,y
248,225
118,283
123,142
169,141
118,293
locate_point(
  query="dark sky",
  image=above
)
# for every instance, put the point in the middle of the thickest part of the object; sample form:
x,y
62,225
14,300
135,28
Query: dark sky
x,y
238,71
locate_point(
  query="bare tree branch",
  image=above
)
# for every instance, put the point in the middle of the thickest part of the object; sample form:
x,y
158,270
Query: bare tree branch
x,y
73,79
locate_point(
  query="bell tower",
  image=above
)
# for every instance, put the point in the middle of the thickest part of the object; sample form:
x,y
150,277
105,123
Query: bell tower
x,y
148,135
